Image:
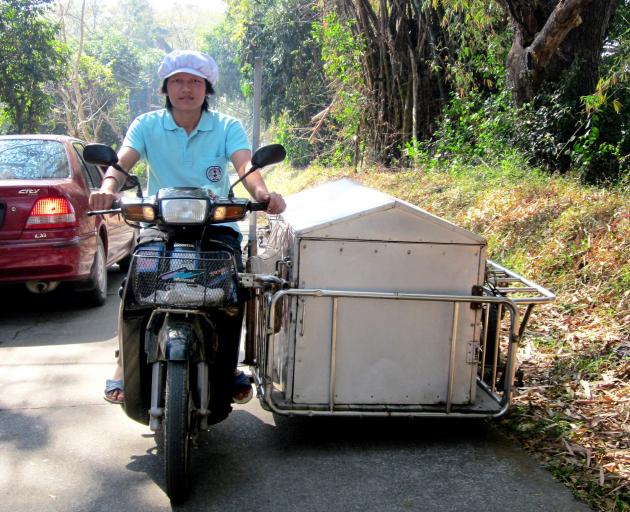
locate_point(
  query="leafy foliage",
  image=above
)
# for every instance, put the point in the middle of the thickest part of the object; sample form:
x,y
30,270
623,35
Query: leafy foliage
x,y
339,124
31,59
279,32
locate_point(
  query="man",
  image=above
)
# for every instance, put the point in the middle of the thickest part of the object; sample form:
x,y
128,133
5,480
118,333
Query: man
x,y
185,144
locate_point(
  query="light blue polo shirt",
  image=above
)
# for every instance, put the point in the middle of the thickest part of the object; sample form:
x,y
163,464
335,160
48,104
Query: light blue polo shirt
x,y
177,159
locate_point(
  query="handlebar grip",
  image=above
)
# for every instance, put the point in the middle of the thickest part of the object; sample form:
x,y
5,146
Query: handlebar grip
x,y
258,207
114,208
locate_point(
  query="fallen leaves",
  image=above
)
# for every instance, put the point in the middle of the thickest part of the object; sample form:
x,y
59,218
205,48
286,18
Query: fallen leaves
x,y
578,426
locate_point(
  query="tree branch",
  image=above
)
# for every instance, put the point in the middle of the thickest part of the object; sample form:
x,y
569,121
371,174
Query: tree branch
x,y
564,18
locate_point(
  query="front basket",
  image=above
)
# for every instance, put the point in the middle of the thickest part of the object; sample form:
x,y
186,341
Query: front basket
x,y
184,278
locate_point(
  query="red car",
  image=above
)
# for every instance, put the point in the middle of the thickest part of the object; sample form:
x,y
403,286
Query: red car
x,y
46,236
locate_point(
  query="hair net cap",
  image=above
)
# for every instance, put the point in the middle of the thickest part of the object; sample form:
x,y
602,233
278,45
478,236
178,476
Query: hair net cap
x,y
189,61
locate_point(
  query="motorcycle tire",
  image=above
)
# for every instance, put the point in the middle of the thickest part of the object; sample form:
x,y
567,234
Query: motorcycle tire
x,y
176,439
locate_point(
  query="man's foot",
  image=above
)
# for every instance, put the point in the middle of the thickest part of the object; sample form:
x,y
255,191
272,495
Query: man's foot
x,y
114,392
243,390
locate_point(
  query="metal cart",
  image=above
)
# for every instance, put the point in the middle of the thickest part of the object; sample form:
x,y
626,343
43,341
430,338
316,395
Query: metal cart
x,y
366,305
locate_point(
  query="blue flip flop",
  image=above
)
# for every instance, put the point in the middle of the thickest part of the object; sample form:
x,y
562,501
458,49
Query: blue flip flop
x,y
242,384
111,386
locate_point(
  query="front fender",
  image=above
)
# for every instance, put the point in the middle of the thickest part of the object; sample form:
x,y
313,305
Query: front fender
x,y
178,340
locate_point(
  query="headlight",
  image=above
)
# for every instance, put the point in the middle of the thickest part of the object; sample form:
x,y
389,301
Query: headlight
x,y
184,211
231,212
138,212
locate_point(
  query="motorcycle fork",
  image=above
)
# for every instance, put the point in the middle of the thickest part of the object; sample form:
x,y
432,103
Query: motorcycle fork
x,y
201,393
157,396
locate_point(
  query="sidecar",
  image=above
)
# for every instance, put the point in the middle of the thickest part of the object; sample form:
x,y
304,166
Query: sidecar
x,y
387,310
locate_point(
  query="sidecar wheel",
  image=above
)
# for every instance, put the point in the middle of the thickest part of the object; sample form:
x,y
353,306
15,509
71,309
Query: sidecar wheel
x,y
177,431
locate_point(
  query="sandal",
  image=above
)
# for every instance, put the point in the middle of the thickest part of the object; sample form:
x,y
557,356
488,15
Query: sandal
x,y
243,390
113,391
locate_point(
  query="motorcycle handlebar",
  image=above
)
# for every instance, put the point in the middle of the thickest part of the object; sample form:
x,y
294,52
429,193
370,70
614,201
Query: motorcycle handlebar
x,y
114,208
258,207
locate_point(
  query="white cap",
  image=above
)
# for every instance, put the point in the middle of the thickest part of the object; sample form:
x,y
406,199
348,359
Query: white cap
x,y
189,61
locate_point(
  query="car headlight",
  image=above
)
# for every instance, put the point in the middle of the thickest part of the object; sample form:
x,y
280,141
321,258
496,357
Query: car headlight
x,y
184,211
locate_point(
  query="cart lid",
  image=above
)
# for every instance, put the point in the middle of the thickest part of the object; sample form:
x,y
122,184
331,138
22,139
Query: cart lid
x,y
346,210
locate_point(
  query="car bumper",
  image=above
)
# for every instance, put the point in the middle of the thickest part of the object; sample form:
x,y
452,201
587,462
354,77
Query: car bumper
x,y
51,261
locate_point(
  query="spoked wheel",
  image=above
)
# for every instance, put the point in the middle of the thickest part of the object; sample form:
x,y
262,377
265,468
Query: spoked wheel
x,y
177,427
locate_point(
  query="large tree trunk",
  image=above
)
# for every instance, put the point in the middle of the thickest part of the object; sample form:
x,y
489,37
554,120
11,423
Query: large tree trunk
x,y
552,35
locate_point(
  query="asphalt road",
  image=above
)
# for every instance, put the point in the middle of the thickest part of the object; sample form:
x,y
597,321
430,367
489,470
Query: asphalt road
x,y
62,448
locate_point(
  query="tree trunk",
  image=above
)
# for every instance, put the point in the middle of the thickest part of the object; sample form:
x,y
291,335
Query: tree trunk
x,y
404,93
552,35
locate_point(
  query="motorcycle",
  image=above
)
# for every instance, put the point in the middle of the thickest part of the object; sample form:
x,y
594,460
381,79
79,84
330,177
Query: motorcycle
x,y
181,295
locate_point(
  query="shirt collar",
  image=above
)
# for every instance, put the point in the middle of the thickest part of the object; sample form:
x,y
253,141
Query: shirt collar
x,y
168,122
205,124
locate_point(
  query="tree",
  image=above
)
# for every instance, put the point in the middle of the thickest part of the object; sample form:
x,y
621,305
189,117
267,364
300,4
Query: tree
x,y
108,83
31,59
294,86
550,37
403,84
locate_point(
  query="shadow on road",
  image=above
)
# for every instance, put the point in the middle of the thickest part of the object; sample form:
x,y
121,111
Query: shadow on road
x,y
27,432
58,318
245,458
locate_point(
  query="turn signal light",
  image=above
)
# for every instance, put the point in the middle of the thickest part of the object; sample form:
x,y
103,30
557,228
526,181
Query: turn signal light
x,y
138,212
223,213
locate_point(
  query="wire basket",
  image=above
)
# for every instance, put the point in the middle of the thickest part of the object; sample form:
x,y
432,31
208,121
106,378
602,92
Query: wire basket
x,y
184,278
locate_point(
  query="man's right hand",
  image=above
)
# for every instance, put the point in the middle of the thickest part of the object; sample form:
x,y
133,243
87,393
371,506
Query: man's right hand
x,y
100,200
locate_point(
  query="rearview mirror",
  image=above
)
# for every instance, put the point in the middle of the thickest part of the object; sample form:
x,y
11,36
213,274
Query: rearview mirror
x,y
99,154
268,155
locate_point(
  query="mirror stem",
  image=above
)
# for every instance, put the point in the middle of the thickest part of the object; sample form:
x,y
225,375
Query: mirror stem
x,y
231,191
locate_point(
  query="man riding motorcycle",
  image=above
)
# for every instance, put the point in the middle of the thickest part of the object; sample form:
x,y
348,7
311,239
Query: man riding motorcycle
x,y
186,144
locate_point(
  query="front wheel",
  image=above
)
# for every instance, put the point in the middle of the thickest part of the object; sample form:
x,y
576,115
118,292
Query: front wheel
x,y
176,424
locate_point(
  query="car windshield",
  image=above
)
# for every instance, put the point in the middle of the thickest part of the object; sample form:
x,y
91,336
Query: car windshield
x,y
31,159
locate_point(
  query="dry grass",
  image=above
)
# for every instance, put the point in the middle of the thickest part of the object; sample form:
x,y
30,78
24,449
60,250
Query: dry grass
x,y
574,409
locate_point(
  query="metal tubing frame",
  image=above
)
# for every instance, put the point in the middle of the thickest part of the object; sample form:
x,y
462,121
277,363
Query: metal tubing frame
x,y
333,355
266,382
544,296
451,358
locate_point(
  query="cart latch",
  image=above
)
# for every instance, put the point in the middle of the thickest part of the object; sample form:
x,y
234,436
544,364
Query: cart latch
x,y
472,353
477,291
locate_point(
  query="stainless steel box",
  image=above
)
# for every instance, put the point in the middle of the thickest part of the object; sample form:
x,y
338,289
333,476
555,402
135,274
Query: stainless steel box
x,y
370,351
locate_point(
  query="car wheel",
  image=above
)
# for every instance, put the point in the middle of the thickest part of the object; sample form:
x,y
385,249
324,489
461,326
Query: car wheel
x,y
98,276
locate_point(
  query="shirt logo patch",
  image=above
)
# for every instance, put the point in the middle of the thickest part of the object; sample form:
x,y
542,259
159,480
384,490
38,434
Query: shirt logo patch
x,y
214,173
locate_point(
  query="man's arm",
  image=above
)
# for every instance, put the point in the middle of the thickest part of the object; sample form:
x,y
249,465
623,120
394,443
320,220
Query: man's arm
x,y
113,180
255,184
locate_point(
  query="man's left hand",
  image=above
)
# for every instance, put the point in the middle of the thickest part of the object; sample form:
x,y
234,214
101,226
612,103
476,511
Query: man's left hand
x,y
276,203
